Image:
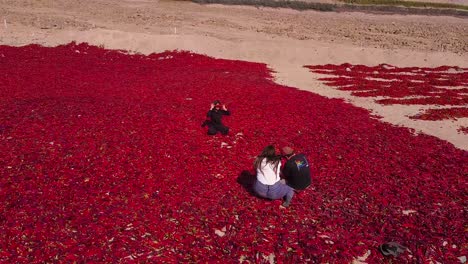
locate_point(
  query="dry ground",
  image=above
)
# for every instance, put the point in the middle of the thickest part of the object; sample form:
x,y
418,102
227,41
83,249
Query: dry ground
x,y
458,2
284,39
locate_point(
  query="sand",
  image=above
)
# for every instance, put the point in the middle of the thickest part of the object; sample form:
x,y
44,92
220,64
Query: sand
x,y
283,39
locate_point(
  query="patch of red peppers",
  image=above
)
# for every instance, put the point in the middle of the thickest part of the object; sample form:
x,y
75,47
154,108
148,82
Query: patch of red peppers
x,y
442,113
463,130
444,85
104,160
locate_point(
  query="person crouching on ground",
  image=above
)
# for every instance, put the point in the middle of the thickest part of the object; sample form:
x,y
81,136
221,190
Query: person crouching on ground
x,y
214,116
296,171
268,184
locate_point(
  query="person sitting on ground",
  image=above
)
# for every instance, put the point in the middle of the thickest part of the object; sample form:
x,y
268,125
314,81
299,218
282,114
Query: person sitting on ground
x,y
296,171
268,184
214,116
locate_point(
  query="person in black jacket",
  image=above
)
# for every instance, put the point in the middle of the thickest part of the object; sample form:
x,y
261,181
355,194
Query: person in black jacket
x,y
214,116
296,170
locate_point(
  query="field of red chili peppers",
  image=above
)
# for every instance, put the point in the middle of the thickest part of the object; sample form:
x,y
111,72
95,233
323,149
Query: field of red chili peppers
x,y
104,160
444,86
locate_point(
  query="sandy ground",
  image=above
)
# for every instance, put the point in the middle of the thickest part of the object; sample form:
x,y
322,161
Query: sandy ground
x,y
457,2
454,2
284,39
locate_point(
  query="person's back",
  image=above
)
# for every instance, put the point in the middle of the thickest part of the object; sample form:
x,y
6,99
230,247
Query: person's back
x,y
266,173
296,171
268,183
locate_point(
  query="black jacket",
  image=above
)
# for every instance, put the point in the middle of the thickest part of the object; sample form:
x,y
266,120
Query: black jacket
x,y
216,115
296,171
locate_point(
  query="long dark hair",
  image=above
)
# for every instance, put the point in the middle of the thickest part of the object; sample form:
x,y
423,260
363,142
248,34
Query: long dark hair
x,y
268,153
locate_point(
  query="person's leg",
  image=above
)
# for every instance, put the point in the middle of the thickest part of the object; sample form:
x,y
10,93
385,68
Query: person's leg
x,y
260,189
212,130
288,197
223,129
279,191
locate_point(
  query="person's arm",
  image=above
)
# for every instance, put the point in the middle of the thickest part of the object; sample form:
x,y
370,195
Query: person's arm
x,y
208,119
278,172
225,111
212,106
286,172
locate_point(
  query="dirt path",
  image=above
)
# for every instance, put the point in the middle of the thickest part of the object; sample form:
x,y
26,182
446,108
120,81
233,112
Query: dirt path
x,y
284,39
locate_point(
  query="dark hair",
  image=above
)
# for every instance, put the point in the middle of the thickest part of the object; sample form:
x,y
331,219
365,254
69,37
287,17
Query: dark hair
x,y
268,153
